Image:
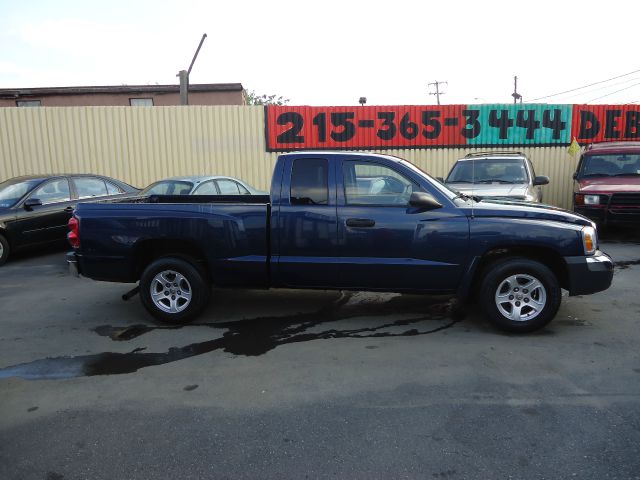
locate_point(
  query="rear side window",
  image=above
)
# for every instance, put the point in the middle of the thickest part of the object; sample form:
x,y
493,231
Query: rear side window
x,y
228,187
206,188
90,187
113,189
309,181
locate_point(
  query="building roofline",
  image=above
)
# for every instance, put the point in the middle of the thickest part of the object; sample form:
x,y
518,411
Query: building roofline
x,y
110,89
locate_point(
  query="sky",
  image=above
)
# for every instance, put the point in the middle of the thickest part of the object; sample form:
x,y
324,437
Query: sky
x,y
332,52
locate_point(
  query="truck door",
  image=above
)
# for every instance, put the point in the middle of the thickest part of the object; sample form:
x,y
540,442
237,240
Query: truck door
x,y
384,242
306,225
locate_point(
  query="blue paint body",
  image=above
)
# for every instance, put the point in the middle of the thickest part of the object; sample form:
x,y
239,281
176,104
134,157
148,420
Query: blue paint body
x,y
279,244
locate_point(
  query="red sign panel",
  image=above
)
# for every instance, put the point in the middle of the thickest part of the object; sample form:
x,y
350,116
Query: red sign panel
x,y
410,126
296,128
605,123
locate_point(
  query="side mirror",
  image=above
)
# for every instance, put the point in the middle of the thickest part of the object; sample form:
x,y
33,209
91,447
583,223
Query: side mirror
x,y
424,200
32,202
541,180
575,175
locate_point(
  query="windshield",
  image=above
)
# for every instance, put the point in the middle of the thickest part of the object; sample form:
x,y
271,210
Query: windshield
x,y
489,170
13,190
168,187
612,165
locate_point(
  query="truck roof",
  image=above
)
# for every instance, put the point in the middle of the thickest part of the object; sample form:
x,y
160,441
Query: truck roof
x,y
340,153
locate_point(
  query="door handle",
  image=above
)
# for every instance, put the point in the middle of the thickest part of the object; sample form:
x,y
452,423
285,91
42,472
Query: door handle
x,y
360,222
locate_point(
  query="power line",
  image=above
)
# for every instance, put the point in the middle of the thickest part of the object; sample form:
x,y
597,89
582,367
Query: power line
x,y
588,92
585,86
622,89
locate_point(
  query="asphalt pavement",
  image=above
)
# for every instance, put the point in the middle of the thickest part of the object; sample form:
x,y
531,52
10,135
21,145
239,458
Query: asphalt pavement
x,y
302,384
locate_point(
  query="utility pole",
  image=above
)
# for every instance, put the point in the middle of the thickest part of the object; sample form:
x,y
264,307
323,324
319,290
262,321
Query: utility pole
x,y
184,76
437,93
516,96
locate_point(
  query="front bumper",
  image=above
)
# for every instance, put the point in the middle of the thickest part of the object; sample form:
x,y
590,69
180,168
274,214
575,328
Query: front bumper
x,y
589,274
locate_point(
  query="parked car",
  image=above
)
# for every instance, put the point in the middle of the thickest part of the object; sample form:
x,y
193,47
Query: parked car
x,y
326,226
34,210
497,174
201,185
607,183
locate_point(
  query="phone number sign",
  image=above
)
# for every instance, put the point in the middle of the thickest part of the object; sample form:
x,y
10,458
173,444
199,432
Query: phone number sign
x,y
407,126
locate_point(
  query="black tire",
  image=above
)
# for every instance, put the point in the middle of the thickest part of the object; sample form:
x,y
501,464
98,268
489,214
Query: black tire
x,y
184,278
516,273
4,250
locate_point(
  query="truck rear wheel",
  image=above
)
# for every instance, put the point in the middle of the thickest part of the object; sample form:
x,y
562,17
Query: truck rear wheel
x,y
174,290
520,295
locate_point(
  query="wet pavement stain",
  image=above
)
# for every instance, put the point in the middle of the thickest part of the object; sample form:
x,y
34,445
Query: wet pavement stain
x,y
622,265
251,337
128,332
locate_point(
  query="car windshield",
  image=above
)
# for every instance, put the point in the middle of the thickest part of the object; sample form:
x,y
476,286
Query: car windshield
x,y
489,170
168,187
13,190
610,165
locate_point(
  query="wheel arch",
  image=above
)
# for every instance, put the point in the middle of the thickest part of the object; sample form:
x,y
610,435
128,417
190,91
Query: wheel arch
x,y
147,251
545,255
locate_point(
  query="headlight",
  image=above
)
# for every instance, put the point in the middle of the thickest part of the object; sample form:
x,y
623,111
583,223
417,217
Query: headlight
x,y
589,240
591,199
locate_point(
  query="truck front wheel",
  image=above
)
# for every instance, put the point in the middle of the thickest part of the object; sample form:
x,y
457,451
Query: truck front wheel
x,y
520,295
174,290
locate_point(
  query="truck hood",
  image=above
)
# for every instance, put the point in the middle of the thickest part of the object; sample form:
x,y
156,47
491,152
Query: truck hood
x,y
491,189
529,210
628,184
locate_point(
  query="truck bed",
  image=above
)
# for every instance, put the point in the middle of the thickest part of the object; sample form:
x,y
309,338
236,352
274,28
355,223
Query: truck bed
x,y
229,233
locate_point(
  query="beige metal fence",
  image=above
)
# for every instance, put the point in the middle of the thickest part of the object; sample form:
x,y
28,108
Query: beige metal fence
x,y
140,145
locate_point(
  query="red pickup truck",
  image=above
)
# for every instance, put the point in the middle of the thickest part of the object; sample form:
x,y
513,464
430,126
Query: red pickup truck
x,y
607,183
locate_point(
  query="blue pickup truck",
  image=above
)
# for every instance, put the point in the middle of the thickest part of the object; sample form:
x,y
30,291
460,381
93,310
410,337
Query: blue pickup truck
x,y
343,220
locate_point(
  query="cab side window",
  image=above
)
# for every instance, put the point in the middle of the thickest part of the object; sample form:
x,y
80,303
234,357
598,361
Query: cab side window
x,y
54,191
310,182
368,183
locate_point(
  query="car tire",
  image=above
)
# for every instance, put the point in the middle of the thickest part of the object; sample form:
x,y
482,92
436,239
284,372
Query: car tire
x,y
4,250
174,290
520,295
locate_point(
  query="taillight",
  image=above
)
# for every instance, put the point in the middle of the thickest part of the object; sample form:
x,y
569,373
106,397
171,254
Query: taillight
x,y
579,199
74,232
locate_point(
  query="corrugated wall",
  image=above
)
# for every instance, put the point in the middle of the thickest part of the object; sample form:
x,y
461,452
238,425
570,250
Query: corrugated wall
x,y
143,144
